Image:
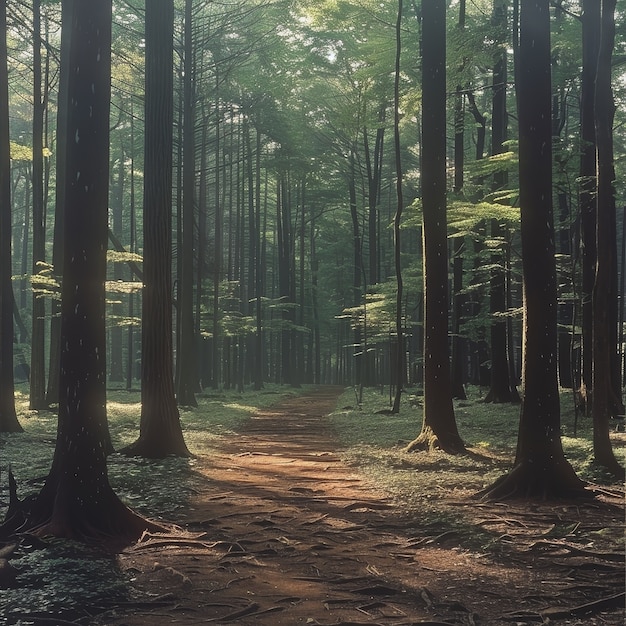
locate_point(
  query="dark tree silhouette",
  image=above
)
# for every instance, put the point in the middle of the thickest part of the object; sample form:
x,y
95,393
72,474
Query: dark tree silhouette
x,y
52,392
439,425
77,500
590,20
540,468
397,220
160,430
606,389
8,417
502,388
186,371
37,363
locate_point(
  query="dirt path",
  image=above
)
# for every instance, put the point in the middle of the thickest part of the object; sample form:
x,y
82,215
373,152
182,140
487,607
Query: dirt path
x,y
283,533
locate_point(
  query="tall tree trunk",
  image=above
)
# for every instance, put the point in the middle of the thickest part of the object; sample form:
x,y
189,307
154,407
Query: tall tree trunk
x,y
130,366
357,266
459,344
502,388
76,500
284,277
439,427
606,389
37,352
397,220
52,393
540,469
160,433
591,41
187,382
374,163
259,369
217,245
8,416
205,347
116,359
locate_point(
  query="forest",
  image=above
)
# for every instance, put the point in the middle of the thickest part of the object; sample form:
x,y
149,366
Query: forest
x,y
349,236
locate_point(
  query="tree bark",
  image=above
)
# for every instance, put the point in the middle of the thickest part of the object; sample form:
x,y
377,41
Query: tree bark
x,y
187,379
76,500
397,220
160,433
37,352
606,389
52,393
591,41
439,427
540,468
8,415
502,388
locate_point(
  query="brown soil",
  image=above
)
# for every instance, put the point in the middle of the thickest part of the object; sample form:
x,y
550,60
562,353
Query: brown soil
x,y
283,533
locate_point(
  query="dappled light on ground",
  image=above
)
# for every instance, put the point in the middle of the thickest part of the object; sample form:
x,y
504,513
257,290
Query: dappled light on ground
x,y
281,531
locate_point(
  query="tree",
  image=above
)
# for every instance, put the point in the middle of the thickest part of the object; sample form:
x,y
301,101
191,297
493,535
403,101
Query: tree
x,y
606,390
77,500
591,40
37,367
8,416
52,393
160,430
502,388
439,427
540,468
397,220
186,371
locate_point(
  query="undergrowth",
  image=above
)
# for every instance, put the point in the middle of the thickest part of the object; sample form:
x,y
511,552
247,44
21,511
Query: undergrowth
x,y
375,439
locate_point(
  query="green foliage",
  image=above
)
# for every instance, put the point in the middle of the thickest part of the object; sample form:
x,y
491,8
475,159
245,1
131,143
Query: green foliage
x,y
44,282
115,256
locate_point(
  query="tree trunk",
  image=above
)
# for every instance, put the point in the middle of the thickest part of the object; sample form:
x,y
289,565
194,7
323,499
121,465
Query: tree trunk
x,y
160,433
397,220
540,469
8,416
37,351
52,393
459,344
259,369
287,374
187,382
591,40
116,360
606,390
76,500
439,427
502,388
373,164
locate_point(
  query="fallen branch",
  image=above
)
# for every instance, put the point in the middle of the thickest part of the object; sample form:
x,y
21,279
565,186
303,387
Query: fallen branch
x,y
612,602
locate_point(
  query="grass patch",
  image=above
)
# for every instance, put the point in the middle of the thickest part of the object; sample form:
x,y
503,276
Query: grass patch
x,y
375,440
154,488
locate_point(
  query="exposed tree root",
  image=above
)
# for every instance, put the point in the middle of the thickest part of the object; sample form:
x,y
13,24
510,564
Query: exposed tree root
x,y
156,448
536,481
428,441
55,514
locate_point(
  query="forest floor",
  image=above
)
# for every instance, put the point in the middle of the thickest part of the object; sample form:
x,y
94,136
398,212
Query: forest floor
x,y
282,531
